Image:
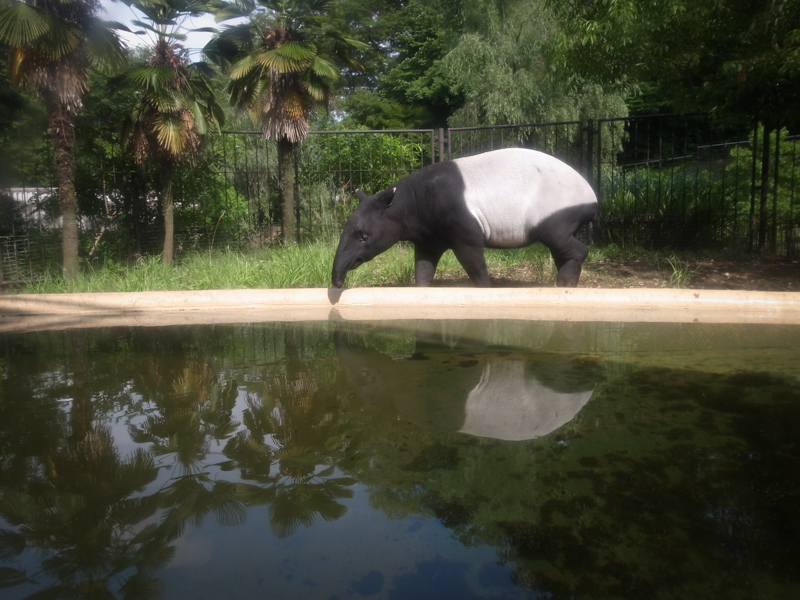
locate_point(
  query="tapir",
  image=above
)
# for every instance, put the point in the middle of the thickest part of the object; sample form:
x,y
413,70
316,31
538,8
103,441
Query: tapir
x,y
508,396
502,199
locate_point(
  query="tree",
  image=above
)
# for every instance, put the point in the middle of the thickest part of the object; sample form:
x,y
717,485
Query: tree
x,y
738,59
717,54
283,64
406,83
501,66
176,103
53,44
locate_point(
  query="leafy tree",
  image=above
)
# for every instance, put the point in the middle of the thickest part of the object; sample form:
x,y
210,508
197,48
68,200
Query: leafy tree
x,y
408,85
176,103
737,57
420,39
781,204
53,44
501,66
283,63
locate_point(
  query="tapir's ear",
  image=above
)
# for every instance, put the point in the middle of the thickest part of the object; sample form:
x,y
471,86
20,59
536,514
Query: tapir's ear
x,y
388,197
361,196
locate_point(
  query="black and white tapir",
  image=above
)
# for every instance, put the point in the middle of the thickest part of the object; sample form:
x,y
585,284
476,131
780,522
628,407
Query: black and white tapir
x,y
505,397
502,199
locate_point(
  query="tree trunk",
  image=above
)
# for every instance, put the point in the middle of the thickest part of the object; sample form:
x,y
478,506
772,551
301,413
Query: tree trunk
x,y
286,175
168,214
81,414
63,137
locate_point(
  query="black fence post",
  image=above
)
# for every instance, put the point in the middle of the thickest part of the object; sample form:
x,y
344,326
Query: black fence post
x,y
589,162
751,233
774,244
599,181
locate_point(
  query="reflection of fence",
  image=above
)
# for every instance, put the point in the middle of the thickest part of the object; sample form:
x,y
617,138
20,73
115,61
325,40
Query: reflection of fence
x,y
663,181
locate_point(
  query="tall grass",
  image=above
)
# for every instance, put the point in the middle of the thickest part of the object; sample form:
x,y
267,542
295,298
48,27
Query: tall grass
x,y
293,266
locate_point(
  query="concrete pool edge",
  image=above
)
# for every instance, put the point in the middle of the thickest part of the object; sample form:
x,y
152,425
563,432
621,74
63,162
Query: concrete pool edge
x,y
25,312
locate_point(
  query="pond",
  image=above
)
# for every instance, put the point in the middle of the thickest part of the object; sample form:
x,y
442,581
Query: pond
x,y
426,459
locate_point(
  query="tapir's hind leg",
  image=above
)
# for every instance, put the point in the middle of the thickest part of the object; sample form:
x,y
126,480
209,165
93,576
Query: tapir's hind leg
x,y
568,254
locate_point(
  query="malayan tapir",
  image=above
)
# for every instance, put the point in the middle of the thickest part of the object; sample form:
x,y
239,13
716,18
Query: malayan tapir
x,y
502,199
506,396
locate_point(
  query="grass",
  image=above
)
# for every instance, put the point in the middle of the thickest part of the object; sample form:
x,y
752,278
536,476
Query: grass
x,y
309,265
682,272
294,266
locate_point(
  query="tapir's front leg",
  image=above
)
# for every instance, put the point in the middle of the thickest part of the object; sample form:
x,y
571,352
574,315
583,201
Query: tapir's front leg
x,y
474,263
426,259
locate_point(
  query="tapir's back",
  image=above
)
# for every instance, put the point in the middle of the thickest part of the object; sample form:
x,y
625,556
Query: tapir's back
x,y
511,192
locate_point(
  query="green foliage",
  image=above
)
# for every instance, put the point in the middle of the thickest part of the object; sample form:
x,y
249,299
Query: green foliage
x,y
501,67
335,165
784,200
282,63
306,265
417,76
372,110
207,203
739,57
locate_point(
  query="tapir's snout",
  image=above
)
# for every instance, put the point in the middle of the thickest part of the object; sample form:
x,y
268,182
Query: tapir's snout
x,y
340,270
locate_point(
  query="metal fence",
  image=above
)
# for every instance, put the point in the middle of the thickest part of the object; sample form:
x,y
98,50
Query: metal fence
x,y
663,181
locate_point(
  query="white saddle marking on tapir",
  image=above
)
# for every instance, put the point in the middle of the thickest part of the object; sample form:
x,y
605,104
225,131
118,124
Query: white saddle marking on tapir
x,y
511,191
508,404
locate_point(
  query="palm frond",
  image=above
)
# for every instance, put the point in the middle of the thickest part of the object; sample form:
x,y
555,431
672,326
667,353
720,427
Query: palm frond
x,y
199,114
293,59
22,24
231,11
322,67
243,67
62,38
103,48
318,90
201,71
165,100
150,77
297,51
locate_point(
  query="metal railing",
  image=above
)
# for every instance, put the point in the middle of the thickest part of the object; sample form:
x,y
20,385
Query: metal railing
x,y
662,181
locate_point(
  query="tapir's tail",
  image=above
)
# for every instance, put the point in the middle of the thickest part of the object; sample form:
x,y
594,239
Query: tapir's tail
x,y
594,227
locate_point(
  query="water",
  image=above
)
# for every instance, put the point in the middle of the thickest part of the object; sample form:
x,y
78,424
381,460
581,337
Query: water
x,y
462,460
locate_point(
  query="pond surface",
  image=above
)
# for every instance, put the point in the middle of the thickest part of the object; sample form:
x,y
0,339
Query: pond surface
x,y
437,459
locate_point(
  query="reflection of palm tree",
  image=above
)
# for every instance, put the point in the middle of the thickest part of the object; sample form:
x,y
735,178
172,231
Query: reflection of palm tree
x,y
86,521
193,410
85,515
298,502
293,426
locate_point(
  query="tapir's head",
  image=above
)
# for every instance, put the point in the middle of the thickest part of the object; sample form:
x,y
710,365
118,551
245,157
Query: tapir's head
x,y
370,230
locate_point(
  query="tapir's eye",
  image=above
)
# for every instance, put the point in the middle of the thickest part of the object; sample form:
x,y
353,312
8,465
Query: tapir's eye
x,y
362,237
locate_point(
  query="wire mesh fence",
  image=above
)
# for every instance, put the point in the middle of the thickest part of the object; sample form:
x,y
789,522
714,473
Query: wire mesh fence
x,y
662,181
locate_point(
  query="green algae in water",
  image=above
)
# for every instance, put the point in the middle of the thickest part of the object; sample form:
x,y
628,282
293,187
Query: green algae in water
x,y
427,460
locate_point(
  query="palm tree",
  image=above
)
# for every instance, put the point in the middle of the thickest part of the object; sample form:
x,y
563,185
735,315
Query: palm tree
x,y
283,64
176,104
53,44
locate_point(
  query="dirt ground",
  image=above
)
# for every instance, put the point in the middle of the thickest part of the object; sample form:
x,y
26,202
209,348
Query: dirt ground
x,y
755,274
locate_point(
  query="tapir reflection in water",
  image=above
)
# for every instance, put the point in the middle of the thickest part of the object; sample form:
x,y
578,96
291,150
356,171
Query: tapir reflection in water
x,y
503,199
507,396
